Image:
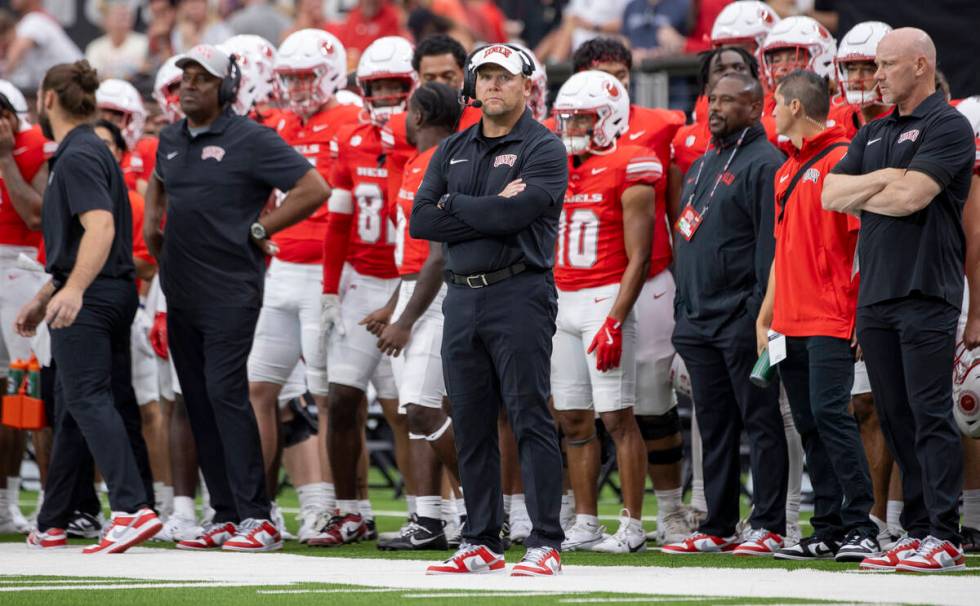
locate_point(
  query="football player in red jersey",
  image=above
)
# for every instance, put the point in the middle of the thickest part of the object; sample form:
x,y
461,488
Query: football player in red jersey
x,y
23,175
414,337
602,261
259,89
120,103
655,409
860,99
359,232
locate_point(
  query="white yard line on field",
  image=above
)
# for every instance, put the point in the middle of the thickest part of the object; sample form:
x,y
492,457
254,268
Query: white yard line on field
x,y
56,585
282,569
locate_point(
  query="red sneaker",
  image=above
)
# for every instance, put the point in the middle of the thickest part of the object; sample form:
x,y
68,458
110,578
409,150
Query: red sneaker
x,y
340,530
934,555
52,538
126,530
903,548
538,562
760,542
212,536
699,542
254,536
471,559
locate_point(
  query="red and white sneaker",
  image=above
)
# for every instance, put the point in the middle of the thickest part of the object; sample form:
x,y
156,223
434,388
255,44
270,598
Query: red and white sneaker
x,y
52,538
699,542
340,530
903,548
759,542
538,562
212,536
254,536
125,530
934,555
469,559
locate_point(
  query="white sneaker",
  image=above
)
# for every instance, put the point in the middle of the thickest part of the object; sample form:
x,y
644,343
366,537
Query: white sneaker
x,y
567,518
22,524
403,531
520,527
674,527
178,528
628,539
7,523
310,524
280,523
793,534
582,536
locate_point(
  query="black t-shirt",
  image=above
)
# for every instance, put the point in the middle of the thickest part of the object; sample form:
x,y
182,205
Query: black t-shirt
x,y
217,184
922,253
84,176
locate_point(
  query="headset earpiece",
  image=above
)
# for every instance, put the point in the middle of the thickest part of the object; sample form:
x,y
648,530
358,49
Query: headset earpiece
x,y
230,83
469,74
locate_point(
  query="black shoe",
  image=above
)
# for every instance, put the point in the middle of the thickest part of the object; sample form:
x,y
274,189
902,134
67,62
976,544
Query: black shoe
x,y
426,534
456,539
505,534
84,526
810,548
971,539
370,531
857,545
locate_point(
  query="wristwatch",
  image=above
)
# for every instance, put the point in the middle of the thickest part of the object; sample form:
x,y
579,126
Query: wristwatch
x,y
257,231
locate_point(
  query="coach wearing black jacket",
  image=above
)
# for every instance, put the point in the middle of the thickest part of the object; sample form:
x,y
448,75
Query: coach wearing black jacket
x,y
723,248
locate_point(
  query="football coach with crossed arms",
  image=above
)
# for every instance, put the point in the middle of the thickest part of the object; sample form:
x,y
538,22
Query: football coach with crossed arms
x,y
493,194
215,172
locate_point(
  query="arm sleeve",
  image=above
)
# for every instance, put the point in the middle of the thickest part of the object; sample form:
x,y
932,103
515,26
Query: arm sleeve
x,y
429,222
275,162
89,183
340,221
850,164
546,177
949,147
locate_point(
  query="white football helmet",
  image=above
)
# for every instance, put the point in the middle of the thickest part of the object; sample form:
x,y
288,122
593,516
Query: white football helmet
x,y
744,23
859,44
17,100
970,107
346,97
166,90
802,34
538,101
599,94
258,57
305,53
121,96
386,58
679,377
966,390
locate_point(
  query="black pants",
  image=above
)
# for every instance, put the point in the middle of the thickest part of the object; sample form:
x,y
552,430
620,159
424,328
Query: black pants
x,y
908,346
818,374
726,403
93,360
496,350
210,348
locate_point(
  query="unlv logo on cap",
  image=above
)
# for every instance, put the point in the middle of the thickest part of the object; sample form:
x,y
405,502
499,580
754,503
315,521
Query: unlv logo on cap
x,y
503,50
213,152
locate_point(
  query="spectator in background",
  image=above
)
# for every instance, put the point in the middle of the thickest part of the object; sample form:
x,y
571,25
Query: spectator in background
x,y
486,21
197,24
39,43
655,27
121,52
261,19
703,15
582,21
308,15
526,20
368,21
824,11
162,15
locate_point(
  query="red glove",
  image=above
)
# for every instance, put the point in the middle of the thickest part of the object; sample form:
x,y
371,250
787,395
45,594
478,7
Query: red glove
x,y
608,345
158,335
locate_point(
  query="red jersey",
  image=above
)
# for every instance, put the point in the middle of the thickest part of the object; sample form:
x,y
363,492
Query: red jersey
x,y
358,167
139,162
655,129
140,250
303,242
815,294
850,117
591,247
410,253
31,151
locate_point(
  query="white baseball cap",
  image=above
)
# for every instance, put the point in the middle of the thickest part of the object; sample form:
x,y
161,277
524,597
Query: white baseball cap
x,y
505,56
214,60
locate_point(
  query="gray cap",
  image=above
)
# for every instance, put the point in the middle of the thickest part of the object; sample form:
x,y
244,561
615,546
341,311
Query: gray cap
x,y
211,58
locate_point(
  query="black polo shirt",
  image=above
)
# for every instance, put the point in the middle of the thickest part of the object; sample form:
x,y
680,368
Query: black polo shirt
x,y
484,232
217,184
722,272
922,253
84,176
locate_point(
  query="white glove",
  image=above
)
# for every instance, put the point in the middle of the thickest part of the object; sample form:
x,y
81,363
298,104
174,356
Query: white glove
x,y
330,315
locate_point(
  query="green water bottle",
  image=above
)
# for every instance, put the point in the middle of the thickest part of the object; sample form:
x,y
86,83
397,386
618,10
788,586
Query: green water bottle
x,y
18,370
762,372
33,378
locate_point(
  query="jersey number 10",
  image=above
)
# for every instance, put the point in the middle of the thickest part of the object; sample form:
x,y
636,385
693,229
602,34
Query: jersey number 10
x,y
578,237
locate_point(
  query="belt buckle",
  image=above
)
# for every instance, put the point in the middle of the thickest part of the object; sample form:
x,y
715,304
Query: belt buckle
x,y
480,278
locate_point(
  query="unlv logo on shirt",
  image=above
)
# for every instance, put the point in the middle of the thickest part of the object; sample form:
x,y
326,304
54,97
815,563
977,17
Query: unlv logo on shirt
x,y
213,152
812,175
507,159
910,135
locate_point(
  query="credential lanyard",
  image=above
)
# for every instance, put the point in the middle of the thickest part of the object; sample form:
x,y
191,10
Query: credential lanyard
x,y
697,178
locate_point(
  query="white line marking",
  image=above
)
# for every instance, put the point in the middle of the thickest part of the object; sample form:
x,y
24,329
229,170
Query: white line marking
x,y
633,600
482,594
350,590
122,586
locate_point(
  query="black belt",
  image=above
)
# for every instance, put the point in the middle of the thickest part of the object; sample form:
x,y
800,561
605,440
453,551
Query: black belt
x,y
481,280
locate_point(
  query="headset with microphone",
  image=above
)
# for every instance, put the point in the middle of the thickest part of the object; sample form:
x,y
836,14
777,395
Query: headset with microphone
x,y
230,83
469,74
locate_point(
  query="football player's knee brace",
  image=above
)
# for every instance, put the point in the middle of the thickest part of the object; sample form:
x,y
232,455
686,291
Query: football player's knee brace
x,y
296,430
657,427
580,443
667,456
435,435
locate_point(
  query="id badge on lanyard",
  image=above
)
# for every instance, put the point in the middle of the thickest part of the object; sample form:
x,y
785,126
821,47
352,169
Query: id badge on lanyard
x,y
690,220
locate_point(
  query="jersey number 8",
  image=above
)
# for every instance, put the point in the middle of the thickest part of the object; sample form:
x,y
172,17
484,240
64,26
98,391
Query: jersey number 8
x,y
370,203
